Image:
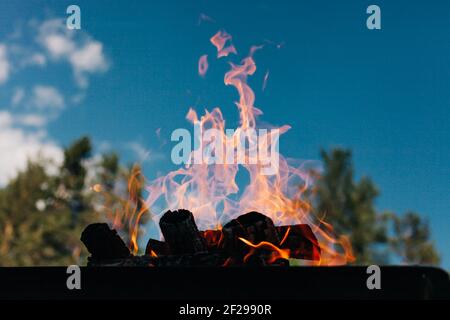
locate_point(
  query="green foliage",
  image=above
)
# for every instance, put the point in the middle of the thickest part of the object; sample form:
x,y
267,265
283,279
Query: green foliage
x,y
73,171
37,227
411,239
42,216
348,205
110,170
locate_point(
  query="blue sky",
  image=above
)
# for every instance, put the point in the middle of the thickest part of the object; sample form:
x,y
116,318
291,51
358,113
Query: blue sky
x,y
133,69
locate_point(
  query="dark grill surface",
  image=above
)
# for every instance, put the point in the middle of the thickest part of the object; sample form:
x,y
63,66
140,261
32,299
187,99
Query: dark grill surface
x,y
234,283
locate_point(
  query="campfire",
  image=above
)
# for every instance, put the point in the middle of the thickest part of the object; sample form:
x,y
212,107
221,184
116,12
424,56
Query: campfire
x,y
250,239
206,217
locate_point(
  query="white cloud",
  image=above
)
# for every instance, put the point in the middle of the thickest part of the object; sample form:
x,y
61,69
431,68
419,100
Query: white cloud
x,y
90,58
85,55
58,45
139,150
31,120
18,95
18,145
4,64
36,59
20,54
47,97
22,134
42,105
8,119
5,119
142,153
23,55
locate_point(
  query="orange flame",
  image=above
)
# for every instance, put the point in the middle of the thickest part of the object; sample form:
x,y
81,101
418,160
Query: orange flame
x,y
277,253
153,254
285,236
219,40
126,212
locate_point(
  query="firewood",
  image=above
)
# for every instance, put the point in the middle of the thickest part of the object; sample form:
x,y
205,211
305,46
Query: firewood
x,y
186,246
160,248
214,239
103,242
254,227
180,232
300,240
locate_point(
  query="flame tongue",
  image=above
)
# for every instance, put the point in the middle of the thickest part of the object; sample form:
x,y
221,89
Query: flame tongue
x,y
203,65
219,40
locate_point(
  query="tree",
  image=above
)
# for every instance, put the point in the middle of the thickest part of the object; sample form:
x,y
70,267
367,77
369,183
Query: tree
x,y
37,212
349,207
38,228
411,239
73,171
73,175
109,170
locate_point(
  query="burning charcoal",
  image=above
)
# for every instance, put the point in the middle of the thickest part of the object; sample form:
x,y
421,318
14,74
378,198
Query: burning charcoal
x,y
159,248
213,238
249,240
300,240
181,233
254,227
103,242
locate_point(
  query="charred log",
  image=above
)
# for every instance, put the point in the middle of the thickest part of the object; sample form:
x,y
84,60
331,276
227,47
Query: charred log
x,y
214,239
300,240
254,227
155,247
251,239
180,232
103,242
